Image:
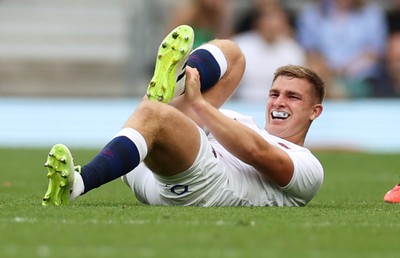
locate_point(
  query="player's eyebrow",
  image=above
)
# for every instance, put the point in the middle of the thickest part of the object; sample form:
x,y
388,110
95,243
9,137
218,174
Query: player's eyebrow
x,y
286,92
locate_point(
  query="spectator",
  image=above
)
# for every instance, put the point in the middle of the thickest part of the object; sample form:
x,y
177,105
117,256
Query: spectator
x,y
389,83
209,19
249,15
345,41
393,17
266,47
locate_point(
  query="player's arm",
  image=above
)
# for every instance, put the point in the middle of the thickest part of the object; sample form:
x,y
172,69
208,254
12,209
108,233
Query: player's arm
x,y
240,140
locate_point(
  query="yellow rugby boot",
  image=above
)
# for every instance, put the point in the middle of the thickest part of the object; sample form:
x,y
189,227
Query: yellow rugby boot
x,y
169,74
61,175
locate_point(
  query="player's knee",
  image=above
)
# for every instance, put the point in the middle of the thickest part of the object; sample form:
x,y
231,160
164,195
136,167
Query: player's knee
x,y
149,109
154,111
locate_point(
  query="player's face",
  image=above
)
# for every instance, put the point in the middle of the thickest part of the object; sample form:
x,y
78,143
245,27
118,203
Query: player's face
x,y
291,108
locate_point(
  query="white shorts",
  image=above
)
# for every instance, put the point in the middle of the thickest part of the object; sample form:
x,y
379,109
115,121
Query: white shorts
x,y
208,182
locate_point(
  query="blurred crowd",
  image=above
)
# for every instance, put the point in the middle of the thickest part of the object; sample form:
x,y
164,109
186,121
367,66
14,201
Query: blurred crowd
x,y
353,44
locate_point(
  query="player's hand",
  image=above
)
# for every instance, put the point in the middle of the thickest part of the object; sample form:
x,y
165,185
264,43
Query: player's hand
x,y
192,86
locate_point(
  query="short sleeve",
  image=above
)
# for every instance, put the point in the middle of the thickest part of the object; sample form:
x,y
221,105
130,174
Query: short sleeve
x,y
307,177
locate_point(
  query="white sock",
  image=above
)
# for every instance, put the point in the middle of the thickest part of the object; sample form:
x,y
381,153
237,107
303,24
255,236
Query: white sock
x,y
77,188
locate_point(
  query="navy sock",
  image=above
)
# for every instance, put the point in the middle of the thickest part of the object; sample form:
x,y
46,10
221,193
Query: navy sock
x,y
207,67
117,158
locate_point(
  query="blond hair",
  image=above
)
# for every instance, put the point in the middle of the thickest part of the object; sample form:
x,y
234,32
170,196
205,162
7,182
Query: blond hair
x,y
301,72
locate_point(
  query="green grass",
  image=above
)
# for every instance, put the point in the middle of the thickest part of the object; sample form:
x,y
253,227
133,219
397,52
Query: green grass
x,y
347,219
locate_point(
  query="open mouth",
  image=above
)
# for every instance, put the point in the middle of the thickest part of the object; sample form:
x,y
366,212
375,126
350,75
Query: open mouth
x,y
279,115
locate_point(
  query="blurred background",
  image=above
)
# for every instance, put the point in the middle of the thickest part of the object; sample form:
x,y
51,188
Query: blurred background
x,y
72,71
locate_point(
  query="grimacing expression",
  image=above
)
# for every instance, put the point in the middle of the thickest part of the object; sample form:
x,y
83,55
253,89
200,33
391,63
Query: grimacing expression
x,y
291,108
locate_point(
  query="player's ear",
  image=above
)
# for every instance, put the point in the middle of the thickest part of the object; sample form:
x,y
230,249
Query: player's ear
x,y
316,111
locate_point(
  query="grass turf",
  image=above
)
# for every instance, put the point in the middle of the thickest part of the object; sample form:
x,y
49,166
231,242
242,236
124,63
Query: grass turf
x,y
348,218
